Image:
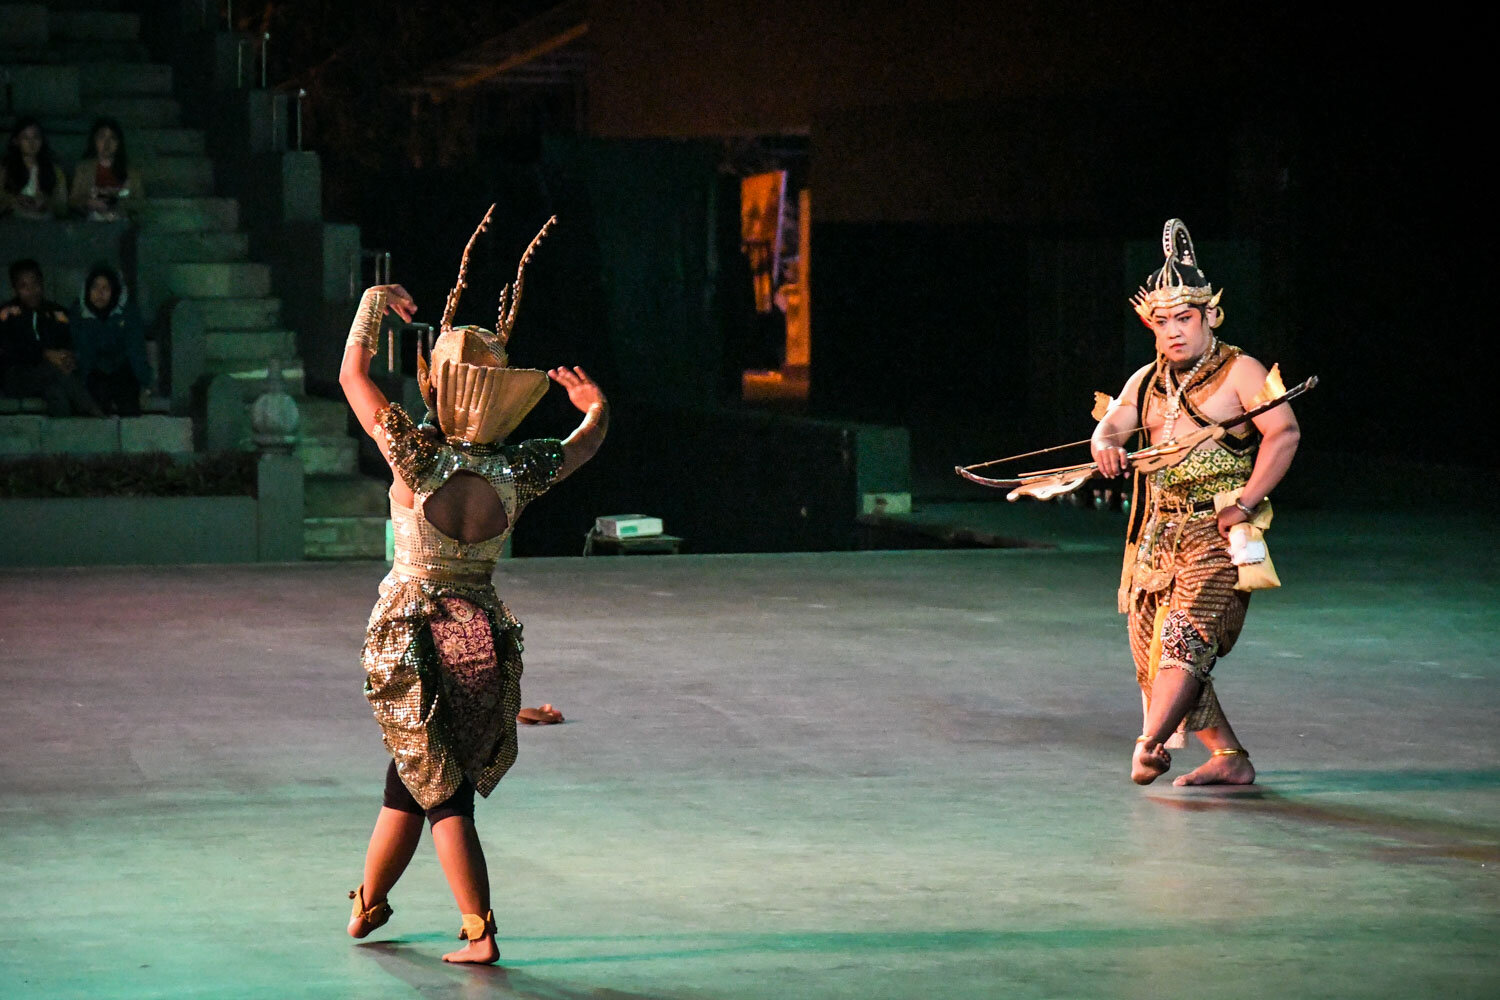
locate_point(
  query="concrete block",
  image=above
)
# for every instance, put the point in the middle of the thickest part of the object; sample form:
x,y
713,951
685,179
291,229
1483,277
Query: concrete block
x,y
182,176
156,433
250,345
113,531
190,214
346,496
80,435
21,434
45,91
251,377
93,26
279,509
194,248
169,141
139,112
324,417
78,52
233,279
117,79
326,456
24,26
344,537
262,313
184,354
301,187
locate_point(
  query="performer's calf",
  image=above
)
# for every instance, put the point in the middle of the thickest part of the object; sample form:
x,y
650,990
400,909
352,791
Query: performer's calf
x,y
1173,693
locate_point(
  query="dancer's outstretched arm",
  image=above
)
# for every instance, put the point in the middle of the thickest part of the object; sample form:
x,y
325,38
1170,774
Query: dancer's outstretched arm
x,y
586,438
364,396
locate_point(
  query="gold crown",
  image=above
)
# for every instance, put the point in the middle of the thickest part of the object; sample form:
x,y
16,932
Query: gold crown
x,y
1167,287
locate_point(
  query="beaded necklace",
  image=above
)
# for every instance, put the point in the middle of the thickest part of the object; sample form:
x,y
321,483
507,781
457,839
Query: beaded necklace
x,y
1174,404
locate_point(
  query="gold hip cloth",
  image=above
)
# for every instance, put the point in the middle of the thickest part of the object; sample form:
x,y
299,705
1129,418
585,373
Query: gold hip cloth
x,y
1183,611
443,677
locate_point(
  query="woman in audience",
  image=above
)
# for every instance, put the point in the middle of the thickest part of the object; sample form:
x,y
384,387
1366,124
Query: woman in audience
x,y
111,343
32,185
106,185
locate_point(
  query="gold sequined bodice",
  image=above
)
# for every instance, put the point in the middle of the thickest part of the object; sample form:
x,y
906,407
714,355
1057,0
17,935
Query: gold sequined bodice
x,y
422,550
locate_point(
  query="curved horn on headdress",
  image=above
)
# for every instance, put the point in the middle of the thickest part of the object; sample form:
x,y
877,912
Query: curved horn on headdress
x,y
1172,247
463,273
510,295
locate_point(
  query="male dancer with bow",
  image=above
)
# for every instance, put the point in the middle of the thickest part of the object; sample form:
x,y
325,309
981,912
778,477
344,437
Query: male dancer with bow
x,y
1187,568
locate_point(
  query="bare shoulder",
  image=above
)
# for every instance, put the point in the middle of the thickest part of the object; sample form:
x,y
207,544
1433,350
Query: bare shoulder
x,y
1132,388
1247,375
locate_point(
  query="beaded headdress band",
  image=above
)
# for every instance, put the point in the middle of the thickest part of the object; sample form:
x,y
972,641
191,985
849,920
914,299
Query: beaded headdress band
x,y
1179,281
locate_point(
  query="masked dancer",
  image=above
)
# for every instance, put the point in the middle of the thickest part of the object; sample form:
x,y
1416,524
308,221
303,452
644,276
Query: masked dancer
x,y
442,653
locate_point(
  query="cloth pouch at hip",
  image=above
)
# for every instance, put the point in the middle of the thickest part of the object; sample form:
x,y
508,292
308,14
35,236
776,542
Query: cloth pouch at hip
x,y
1247,545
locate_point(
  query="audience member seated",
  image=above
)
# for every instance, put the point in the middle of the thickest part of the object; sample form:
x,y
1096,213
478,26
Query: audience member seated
x,y
105,185
32,185
111,343
36,348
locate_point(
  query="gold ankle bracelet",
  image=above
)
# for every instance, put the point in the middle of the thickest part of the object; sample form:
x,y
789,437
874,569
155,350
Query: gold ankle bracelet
x,y
1232,752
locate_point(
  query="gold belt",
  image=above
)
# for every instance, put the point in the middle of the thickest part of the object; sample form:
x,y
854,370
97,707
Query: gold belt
x,y
434,574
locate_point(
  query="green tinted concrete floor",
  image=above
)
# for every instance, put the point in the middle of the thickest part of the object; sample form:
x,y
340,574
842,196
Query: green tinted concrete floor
x,y
840,775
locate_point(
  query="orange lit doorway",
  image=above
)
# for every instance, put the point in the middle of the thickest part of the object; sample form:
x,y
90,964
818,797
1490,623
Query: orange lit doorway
x,y
776,236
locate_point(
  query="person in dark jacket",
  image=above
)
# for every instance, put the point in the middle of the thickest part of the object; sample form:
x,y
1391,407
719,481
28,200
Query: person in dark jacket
x,y
36,347
111,343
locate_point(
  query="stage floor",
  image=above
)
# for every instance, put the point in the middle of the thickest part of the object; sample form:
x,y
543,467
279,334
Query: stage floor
x,y
854,775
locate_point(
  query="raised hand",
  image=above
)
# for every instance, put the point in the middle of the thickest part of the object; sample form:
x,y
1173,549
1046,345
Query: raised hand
x,y
582,392
397,300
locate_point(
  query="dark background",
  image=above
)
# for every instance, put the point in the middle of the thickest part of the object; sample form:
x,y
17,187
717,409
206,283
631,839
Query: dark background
x,y
989,184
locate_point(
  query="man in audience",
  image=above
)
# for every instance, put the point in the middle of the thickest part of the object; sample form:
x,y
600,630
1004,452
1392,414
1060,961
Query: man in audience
x,y
36,348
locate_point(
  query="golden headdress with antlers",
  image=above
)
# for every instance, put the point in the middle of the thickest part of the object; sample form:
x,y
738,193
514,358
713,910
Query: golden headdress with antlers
x,y
466,383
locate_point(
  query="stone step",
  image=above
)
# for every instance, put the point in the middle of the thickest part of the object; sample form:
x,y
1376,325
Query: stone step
x,y
102,50
221,280
138,112
70,133
344,537
262,313
195,248
328,456
120,79
249,345
180,176
92,26
39,435
50,92
345,496
189,215
252,375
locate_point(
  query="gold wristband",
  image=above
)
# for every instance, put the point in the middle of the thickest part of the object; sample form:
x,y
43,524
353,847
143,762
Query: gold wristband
x,y
365,330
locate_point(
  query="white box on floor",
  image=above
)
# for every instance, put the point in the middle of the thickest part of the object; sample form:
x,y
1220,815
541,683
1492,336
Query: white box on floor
x,y
627,526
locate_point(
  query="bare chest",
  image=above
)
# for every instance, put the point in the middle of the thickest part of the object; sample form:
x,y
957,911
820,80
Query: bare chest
x,y
1198,407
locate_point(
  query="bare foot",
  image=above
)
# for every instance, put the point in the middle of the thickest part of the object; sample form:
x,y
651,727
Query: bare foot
x,y
481,952
1149,762
1234,769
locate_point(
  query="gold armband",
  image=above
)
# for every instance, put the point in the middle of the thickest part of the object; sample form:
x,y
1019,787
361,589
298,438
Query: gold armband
x,y
365,330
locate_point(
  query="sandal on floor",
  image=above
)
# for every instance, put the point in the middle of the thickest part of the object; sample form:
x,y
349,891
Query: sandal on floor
x,y
371,916
544,716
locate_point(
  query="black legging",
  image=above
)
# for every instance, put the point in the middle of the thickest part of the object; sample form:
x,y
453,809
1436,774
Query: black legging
x,y
399,798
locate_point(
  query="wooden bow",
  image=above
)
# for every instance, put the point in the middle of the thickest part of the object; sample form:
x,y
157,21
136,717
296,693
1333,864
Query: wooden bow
x,y
1045,484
